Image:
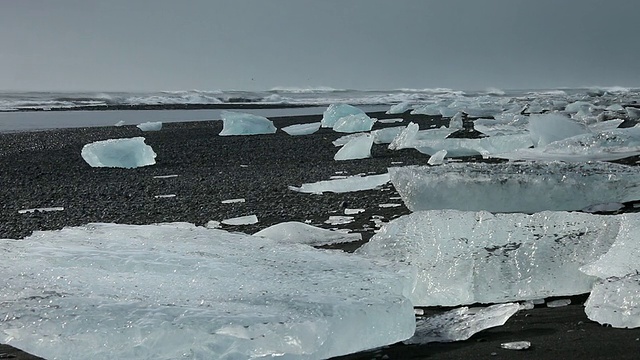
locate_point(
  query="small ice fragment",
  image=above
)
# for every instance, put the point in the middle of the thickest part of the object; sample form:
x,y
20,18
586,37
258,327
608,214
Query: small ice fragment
x,y
300,233
119,123
353,211
418,311
527,305
389,205
354,123
606,207
538,301
337,111
212,224
235,123
461,323
241,220
399,108
232,201
357,148
165,176
165,196
119,153
302,129
437,158
150,126
390,121
339,220
559,303
42,209
352,183
516,345
244,166
397,162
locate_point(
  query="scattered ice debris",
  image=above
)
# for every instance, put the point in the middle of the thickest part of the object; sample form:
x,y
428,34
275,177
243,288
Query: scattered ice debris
x,y
153,291
354,123
233,201
353,211
516,345
558,303
515,187
337,111
605,207
241,220
357,148
235,123
41,209
302,129
300,233
119,153
351,183
437,158
497,257
390,205
119,123
390,121
150,126
165,196
386,135
244,166
165,176
400,108
339,220
616,302
212,224
461,323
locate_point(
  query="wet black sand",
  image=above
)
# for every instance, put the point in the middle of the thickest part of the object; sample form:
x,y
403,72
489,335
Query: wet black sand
x,y
45,169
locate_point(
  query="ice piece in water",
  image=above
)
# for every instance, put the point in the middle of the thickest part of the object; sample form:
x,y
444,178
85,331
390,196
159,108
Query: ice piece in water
x,y
241,220
337,111
235,123
616,301
354,123
516,345
119,153
351,183
386,135
461,323
547,128
150,126
459,258
400,108
301,129
515,187
108,291
357,148
301,233
437,158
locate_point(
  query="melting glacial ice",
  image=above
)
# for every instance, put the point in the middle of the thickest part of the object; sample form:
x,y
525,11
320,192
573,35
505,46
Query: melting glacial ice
x,y
357,148
150,126
167,291
467,257
119,153
235,123
616,302
335,112
515,187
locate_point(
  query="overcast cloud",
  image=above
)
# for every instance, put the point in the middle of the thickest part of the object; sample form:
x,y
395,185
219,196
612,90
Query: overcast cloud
x,y
130,45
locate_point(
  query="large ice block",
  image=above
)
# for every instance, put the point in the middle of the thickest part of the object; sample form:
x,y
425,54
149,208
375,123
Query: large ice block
x,y
478,257
547,128
119,153
235,123
357,148
616,302
169,291
335,112
354,123
515,187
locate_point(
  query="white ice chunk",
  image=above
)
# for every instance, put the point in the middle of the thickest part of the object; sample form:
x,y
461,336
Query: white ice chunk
x,y
106,291
515,187
150,126
390,121
411,135
165,196
212,224
356,148
559,303
346,138
386,135
547,128
352,183
400,108
354,123
336,111
462,258
616,302
437,158
42,209
241,220
119,153
461,323
339,220
301,129
456,121
233,201
430,109
516,345
235,123
353,211
119,123
575,106
165,176
301,233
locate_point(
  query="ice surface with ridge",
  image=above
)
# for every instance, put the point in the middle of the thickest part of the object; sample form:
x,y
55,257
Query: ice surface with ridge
x,y
235,123
168,291
468,257
119,153
515,187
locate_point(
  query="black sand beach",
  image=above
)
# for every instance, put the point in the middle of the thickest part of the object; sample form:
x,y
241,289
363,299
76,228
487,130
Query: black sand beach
x,y
45,169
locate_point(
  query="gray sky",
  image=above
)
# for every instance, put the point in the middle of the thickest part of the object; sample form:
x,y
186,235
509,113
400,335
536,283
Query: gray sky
x,y
130,45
